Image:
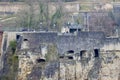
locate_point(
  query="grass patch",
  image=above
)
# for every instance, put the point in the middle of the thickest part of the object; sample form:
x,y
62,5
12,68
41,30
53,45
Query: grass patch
x,y
52,53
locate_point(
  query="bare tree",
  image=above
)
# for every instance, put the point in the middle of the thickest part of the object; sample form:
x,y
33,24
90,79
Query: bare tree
x,y
44,12
101,22
26,17
39,17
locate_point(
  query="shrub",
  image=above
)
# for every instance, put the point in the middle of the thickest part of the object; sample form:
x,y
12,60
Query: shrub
x,y
13,45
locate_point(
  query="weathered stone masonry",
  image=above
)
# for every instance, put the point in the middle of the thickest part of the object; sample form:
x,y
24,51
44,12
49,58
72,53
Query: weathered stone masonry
x,y
66,42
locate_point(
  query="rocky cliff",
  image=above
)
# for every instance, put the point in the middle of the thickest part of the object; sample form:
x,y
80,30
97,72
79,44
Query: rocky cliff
x,y
104,66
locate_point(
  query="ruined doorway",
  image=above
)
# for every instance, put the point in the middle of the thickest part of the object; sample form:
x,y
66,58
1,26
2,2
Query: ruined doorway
x,y
17,37
96,52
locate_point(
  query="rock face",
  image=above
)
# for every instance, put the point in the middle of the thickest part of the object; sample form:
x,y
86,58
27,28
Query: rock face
x,y
25,68
104,66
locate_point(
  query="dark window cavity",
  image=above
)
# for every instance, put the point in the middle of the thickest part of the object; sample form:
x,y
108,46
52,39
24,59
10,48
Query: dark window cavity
x,y
73,30
70,57
96,52
70,51
17,37
61,57
40,60
25,40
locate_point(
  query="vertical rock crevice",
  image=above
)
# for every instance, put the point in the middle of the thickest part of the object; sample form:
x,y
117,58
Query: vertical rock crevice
x,y
93,74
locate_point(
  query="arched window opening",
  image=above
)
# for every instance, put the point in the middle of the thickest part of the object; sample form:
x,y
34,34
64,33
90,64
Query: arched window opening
x,y
25,40
40,60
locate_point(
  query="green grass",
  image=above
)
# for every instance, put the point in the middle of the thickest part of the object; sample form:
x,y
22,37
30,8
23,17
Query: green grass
x,y
52,53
